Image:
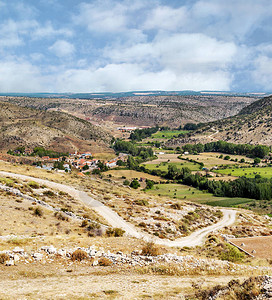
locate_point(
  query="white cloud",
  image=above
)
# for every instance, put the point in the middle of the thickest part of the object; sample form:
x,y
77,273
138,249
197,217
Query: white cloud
x,y
20,76
48,31
11,32
62,48
167,18
102,16
263,72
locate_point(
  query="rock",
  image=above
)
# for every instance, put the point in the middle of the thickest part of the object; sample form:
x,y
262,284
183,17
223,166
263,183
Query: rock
x,y
18,250
95,262
38,256
9,262
253,251
61,252
16,258
98,253
51,250
243,244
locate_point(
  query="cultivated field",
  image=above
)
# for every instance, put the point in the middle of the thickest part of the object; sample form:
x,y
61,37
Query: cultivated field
x,y
257,246
211,159
184,192
163,166
131,174
167,134
248,172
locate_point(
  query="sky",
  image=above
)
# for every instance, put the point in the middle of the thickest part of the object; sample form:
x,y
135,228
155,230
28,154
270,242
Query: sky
x,y
135,45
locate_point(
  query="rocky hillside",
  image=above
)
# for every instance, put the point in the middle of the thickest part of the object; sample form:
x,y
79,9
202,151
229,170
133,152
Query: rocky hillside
x,y
252,125
55,130
172,111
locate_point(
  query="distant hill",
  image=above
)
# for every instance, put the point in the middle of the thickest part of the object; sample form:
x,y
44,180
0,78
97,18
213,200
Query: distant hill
x,y
252,125
54,130
143,110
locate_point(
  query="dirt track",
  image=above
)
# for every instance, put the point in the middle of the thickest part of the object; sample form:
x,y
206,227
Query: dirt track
x,y
196,238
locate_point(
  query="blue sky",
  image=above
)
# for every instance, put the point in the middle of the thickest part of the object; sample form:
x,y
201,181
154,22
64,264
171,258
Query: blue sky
x,y
102,45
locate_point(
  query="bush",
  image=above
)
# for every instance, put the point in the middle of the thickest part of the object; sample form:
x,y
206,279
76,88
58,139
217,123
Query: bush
x,y
232,254
3,258
105,262
38,211
33,185
116,232
61,216
134,184
126,182
84,223
79,255
150,249
141,202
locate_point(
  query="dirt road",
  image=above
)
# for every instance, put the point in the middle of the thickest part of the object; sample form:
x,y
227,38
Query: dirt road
x,y
196,238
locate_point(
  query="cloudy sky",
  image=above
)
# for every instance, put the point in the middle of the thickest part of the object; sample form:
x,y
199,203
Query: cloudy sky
x,y
125,45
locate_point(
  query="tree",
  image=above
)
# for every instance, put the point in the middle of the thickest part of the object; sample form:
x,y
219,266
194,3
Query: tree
x,y
134,184
257,160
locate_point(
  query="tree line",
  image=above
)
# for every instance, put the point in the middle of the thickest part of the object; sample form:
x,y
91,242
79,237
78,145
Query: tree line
x,y
229,148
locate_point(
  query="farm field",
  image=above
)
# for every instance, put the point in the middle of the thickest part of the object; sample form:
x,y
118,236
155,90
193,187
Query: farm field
x,y
262,245
210,159
171,157
167,134
131,174
183,192
163,166
248,172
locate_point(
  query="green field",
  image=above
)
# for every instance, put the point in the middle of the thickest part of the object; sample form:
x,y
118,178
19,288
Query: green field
x,y
163,166
184,192
248,172
167,134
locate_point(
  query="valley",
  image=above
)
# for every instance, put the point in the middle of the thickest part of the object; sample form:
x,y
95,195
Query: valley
x,y
148,186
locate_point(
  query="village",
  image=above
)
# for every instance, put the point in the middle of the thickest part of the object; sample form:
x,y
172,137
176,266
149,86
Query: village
x,y
82,161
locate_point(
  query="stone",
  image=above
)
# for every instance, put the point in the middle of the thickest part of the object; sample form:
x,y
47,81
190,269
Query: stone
x,y
51,250
61,252
95,262
18,250
9,262
16,258
38,256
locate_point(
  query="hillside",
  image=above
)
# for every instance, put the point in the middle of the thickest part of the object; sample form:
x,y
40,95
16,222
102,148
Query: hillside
x,y
145,110
54,130
251,125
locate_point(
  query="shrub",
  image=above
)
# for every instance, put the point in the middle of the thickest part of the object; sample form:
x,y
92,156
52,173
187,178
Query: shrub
x,y
79,255
3,258
33,185
150,249
49,193
38,211
232,254
61,216
141,202
105,262
84,223
116,232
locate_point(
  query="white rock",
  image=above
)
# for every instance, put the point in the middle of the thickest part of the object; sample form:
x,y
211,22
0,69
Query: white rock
x,y
52,250
16,258
9,262
95,263
38,256
18,250
61,252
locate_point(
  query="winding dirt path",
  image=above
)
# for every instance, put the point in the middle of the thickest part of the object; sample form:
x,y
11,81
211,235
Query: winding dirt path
x,y
196,238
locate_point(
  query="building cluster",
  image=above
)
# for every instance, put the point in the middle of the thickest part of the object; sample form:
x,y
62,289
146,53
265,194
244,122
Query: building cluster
x,y
82,161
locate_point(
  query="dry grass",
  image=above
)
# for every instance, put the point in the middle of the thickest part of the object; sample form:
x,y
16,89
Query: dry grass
x,y
210,159
259,246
